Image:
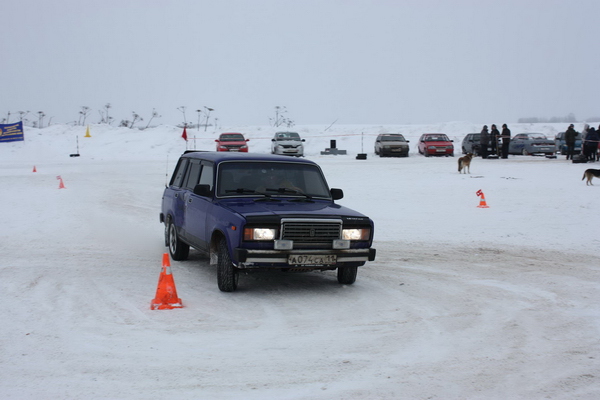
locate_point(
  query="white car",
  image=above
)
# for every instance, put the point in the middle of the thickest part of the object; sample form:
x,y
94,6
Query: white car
x,y
287,144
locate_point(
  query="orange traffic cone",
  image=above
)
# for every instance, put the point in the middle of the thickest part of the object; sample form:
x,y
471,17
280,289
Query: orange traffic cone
x,y
166,293
482,203
34,170
87,132
61,185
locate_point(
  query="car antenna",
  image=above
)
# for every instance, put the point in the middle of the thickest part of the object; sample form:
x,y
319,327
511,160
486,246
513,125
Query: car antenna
x,y
167,172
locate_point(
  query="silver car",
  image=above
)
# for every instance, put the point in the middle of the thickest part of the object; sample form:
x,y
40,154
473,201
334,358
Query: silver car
x,y
391,144
530,144
287,144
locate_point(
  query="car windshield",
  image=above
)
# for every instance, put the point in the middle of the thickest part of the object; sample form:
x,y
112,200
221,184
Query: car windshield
x,y
437,138
263,178
287,136
231,137
393,138
536,136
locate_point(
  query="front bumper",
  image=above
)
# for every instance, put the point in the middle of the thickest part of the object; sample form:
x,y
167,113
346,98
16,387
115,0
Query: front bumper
x,y
247,258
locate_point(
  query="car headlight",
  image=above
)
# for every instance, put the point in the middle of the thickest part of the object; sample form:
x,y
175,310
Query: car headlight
x,y
259,234
356,234
243,147
431,147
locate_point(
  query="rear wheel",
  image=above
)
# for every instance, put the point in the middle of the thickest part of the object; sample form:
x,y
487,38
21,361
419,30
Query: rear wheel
x,y
346,275
227,274
179,251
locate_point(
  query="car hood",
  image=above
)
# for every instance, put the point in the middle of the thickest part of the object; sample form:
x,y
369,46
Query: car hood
x,y
233,142
438,143
394,143
289,142
287,207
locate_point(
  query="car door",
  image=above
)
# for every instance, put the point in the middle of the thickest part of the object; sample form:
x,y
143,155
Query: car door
x,y
173,204
517,144
197,207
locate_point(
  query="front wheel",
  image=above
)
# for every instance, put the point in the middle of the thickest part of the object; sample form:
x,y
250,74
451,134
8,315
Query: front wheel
x,y
346,275
525,152
227,275
179,251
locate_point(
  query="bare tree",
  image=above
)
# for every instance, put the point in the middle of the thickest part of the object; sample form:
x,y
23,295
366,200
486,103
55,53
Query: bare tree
x,y
136,117
104,117
154,115
280,118
22,115
85,110
182,109
207,115
199,115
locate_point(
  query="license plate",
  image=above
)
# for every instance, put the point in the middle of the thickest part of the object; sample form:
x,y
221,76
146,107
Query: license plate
x,y
441,150
311,259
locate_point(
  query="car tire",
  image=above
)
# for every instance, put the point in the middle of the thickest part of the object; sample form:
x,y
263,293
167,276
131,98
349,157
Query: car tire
x,y
179,251
227,274
464,151
346,275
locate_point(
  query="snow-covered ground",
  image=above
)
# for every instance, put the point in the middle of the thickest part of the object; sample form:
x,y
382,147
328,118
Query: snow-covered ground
x,y
461,303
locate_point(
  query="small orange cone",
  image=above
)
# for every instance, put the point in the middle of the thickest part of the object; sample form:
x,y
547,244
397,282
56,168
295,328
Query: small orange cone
x,y
482,203
87,132
61,185
166,293
34,170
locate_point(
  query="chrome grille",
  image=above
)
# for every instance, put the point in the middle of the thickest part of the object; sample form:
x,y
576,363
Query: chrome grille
x,y
310,230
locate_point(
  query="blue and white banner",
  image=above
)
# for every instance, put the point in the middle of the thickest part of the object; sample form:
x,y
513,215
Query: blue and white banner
x,y
11,132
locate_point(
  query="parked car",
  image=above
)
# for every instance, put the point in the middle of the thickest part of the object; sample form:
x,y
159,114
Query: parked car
x,y
262,211
471,144
391,144
561,146
435,144
232,142
288,144
530,144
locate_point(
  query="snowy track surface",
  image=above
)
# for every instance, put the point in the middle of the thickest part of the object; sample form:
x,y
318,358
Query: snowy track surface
x,y
461,302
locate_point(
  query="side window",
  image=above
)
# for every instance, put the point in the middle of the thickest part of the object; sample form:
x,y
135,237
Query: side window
x,y
193,175
179,173
206,177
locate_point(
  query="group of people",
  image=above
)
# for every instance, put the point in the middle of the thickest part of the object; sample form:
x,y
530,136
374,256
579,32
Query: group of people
x,y
590,140
490,139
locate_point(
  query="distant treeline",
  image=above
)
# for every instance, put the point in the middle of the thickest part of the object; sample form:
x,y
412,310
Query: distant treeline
x,y
568,119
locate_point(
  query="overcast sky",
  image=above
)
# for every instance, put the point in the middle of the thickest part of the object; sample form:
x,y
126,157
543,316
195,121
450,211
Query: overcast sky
x,y
357,62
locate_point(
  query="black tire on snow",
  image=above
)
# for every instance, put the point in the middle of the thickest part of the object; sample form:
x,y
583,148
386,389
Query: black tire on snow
x,y
227,274
346,275
179,251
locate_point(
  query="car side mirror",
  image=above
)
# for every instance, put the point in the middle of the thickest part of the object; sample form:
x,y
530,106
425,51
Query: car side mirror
x,y
273,140
202,190
452,140
216,140
247,140
408,141
336,194
303,140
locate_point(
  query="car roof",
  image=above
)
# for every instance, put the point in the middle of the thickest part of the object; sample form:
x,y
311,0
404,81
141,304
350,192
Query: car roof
x,y
218,157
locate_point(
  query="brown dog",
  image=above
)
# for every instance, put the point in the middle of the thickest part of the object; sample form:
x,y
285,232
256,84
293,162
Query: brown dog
x,y
464,163
590,174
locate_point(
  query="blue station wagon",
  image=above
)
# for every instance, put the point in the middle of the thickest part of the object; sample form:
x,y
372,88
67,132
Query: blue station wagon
x,y
262,211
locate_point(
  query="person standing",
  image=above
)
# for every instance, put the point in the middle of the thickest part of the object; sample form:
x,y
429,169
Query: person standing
x,y
570,138
591,144
505,140
494,139
484,140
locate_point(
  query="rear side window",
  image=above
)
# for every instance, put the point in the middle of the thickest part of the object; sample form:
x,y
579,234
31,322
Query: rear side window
x,y
206,176
193,175
177,178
